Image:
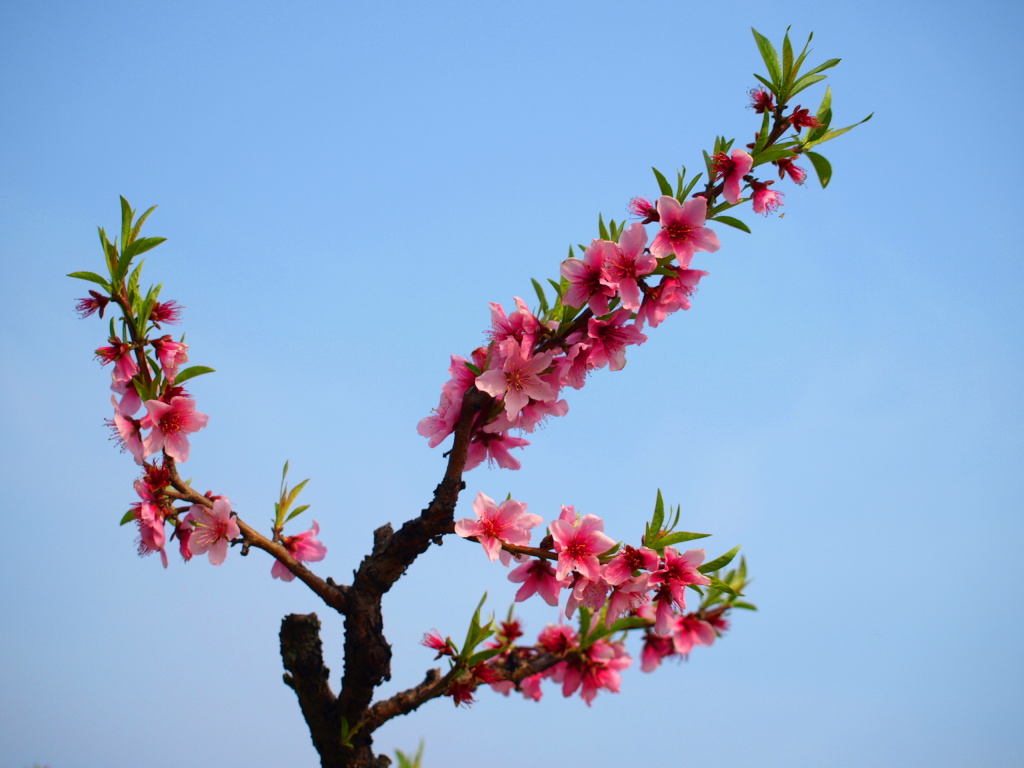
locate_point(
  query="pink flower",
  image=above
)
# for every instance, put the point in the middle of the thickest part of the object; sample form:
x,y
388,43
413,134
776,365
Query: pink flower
x,y
434,641
642,207
609,339
519,379
537,578
761,101
521,325
801,118
732,170
152,538
212,530
96,301
579,545
165,312
689,631
786,166
494,448
595,668
627,598
683,230
588,593
303,547
765,200
670,295
120,354
127,431
625,263
674,576
584,276
629,559
655,649
171,355
170,423
495,525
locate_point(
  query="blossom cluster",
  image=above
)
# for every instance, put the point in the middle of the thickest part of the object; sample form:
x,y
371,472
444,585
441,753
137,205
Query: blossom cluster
x,y
154,414
625,286
625,587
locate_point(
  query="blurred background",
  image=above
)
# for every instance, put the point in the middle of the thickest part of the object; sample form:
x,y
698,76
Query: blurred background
x,y
344,186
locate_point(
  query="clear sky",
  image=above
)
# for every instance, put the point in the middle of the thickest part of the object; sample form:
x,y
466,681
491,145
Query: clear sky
x,y
344,187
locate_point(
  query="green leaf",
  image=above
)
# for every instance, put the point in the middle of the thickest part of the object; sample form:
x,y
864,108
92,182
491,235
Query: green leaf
x,y
127,214
803,55
629,622
92,277
602,228
481,656
822,167
658,520
730,221
191,372
297,511
766,84
689,188
680,536
771,58
128,517
833,134
663,185
772,153
139,222
142,245
805,82
719,562
822,67
744,605
405,762
721,586
540,296
787,61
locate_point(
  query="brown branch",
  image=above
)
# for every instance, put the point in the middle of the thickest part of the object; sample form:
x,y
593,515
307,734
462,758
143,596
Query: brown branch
x,y
334,595
302,654
367,653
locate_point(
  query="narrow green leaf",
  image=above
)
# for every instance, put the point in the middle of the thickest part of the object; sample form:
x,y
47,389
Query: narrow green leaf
x,y
803,55
141,246
787,62
191,372
721,586
481,656
719,562
730,221
822,67
766,84
92,277
659,512
745,605
663,185
679,536
762,135
822,167
689,187
540,296
772,153
771,58
805,82
297,511
127,214
629,622
294,493
139,222
128,517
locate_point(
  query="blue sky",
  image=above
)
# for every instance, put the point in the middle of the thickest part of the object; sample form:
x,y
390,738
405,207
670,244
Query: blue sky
x,y
344,188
